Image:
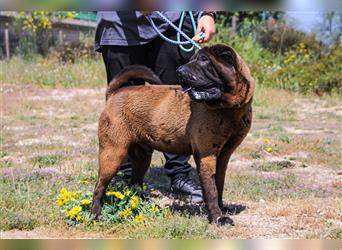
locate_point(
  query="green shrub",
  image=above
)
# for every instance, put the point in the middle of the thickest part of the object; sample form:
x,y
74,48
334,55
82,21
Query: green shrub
x,y
46,160
279,37
71,52
304,66
307,73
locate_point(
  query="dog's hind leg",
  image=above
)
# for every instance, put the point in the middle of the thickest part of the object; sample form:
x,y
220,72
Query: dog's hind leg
x,y
140,156
110,158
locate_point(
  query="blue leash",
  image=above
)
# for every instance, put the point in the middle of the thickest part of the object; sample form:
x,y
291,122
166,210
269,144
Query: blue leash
x,y
179,30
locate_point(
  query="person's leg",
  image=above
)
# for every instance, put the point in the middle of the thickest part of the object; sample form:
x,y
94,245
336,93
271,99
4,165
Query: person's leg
x,y
115,59
164,59
118,57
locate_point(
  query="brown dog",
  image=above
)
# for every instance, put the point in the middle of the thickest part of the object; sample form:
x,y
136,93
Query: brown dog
x,y
138,119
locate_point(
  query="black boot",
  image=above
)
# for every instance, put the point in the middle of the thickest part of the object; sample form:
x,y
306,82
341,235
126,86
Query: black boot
x,y
185,185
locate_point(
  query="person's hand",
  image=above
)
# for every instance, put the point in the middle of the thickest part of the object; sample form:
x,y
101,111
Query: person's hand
x,y
146,13
206,24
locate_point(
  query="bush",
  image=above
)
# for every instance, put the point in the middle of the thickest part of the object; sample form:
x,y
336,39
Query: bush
x,y
278,37
309,73
34,32
304,65
71,52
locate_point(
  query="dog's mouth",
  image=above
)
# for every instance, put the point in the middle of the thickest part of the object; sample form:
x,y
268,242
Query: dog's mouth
x,y
209,93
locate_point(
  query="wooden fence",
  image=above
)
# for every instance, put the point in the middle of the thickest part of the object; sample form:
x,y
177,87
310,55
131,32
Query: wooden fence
x,y
63,31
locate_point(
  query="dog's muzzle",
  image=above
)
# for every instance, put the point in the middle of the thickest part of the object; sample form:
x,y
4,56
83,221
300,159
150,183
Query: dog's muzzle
x,y
207,92
211,93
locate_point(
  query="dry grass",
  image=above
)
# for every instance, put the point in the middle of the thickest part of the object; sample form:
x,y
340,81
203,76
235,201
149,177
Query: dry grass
x,y
50,72
48,140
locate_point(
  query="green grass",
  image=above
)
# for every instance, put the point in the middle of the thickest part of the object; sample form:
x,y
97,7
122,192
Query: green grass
x,y
46,160
6,163
30,203
271,167
28,198
49,72
252,187
335,234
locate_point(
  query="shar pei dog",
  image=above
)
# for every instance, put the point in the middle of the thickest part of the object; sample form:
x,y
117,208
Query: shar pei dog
x,y
208,116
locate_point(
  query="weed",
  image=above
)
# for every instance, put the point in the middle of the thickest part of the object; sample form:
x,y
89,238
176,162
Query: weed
x,y
14,220
3,154
271,167
6,163
252,187
46,160
335,234
290,180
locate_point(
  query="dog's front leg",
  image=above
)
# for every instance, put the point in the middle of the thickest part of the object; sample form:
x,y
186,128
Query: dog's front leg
x,y
206,168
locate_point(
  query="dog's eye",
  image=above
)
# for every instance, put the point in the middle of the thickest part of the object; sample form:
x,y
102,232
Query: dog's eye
x,y
227,57
203,58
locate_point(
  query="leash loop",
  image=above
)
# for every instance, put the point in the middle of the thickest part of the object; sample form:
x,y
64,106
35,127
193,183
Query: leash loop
x,y
179,30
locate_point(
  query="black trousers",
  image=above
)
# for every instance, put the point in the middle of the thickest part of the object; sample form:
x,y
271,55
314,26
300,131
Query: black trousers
x,y
163,58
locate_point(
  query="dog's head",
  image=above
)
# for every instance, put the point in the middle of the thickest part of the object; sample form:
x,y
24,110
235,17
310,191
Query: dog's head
x,y
217,74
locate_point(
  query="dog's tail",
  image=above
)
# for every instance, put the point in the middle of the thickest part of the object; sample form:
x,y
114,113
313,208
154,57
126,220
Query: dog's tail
x,y
130,73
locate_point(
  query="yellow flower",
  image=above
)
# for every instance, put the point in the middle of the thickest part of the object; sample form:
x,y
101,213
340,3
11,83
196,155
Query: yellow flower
x,y
118,194
94,222
126,212
134,201
74,212
269,150
78,217
65,196
267,141
85,202
84,182
138,218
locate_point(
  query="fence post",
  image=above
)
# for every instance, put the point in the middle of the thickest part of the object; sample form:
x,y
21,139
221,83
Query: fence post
x,y
6,41
234,21
60,37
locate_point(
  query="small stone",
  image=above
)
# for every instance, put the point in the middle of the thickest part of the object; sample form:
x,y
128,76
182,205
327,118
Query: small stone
x,y
302,165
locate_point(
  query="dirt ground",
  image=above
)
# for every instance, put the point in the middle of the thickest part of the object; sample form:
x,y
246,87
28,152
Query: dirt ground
x,y
287,172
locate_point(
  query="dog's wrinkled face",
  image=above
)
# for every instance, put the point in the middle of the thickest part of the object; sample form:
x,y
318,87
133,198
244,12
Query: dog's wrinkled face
x,y
209,73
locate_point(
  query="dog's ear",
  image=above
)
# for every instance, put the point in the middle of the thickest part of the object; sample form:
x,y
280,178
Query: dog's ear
x,y
243,88
225,54
245,77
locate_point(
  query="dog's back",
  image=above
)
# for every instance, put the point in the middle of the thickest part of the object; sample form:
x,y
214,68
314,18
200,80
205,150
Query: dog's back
x,y
130,73
150,113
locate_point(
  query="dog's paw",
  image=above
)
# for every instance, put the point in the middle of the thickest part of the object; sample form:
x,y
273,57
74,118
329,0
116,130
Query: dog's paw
x,y
232,209
96,211
224,220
